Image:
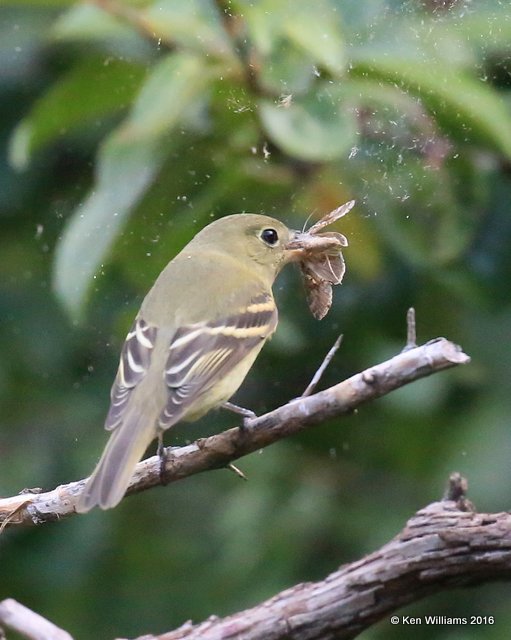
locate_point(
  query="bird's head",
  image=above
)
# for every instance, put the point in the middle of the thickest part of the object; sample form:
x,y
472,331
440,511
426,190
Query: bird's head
x,y
263,241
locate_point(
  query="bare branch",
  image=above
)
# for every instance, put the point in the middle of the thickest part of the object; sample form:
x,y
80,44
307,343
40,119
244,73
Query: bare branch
x,y
222,449
30,625
442,546
439,548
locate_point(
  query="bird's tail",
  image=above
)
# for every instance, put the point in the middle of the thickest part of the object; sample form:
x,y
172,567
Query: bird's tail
x,y
111,477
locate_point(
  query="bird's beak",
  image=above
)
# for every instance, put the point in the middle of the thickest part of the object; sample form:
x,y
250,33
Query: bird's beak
x,y
303,245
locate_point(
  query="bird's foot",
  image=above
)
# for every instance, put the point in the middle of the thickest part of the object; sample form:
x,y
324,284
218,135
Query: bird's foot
x,y
163,455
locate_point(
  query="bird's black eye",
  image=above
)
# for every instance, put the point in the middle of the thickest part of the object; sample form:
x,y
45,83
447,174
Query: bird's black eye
x,y
270,236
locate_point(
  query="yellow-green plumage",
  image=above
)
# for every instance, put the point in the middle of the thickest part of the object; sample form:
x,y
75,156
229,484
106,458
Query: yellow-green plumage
x,y
197,334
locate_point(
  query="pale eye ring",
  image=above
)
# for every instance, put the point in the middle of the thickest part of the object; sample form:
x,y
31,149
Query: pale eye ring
x,y
270,236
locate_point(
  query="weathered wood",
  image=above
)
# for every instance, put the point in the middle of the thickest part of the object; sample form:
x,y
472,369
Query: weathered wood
x,y
222,449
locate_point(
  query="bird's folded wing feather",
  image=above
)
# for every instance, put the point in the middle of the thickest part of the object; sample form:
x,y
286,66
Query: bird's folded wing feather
x,y
204,353
199,355
133,365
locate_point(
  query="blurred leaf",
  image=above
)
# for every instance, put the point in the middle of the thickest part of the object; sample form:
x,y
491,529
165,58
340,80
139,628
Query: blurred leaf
x,y
287,69
125,169
127,164
194,24
37,3
316,127
314,27
119,33
466,108
486,29
427,41
22,43
87,21
390,99
167,95
92,90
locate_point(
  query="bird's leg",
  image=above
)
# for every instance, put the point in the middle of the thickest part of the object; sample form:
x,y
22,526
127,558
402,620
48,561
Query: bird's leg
x,y
247,414
163,456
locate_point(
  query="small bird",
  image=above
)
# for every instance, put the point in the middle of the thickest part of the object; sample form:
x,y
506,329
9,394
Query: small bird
x,y
197,334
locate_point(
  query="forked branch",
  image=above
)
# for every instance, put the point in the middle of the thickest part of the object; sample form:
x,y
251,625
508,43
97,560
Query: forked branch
x,y
444,545
222,449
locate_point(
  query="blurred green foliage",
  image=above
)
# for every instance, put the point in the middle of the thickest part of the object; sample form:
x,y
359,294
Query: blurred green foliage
x,y
126,127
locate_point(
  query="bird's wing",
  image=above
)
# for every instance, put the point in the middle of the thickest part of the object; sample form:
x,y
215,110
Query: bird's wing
x,y
133,365
203,354
199,355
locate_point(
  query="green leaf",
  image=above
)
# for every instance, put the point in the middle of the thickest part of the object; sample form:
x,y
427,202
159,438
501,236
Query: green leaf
x,y
315,27
88,22
37,3
128,162
485,30
464,107
194,24
89,92
312,26
287,70
317,127
167,95
125,170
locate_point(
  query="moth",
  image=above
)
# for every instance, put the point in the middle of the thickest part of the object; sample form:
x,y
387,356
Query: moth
x,y
323,266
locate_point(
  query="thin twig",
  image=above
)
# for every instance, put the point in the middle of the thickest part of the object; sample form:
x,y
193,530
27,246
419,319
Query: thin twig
x,y
411,330
237,471
321,370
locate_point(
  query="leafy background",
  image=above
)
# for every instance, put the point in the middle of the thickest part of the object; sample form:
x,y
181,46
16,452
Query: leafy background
x,y
125,128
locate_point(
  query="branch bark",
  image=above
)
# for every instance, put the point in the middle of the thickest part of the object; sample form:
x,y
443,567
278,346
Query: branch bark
x,y
440,547
29,624
29,508
443,545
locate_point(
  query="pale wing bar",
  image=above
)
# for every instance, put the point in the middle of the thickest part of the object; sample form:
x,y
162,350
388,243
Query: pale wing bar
x,y
133,365
204,352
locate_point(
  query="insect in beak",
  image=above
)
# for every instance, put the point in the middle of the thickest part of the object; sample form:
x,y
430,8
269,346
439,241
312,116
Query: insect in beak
x,y
320,258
